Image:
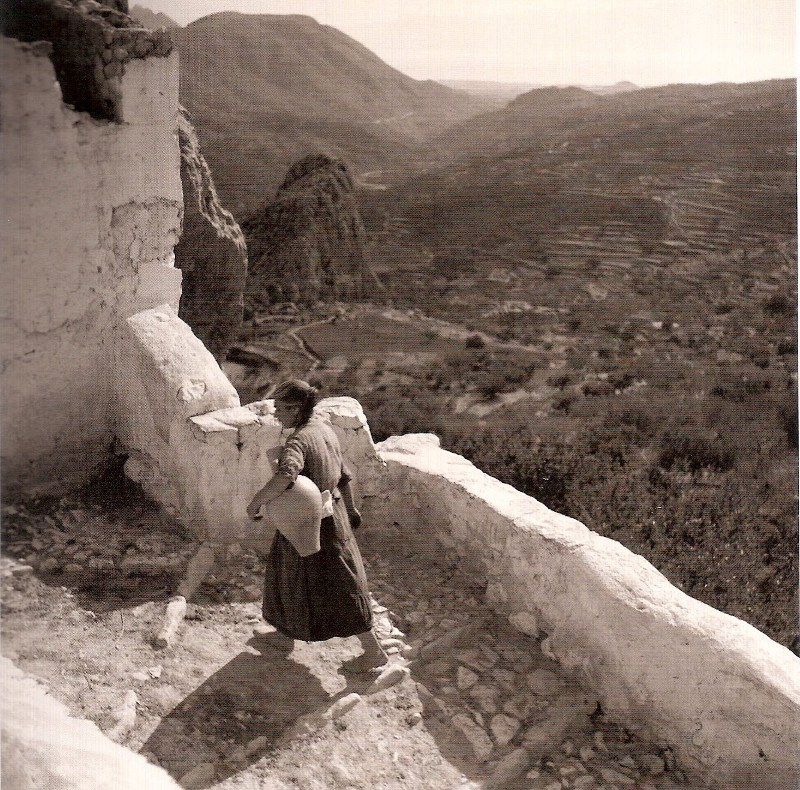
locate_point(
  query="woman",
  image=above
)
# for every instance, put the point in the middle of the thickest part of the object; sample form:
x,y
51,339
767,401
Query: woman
x,y
322,594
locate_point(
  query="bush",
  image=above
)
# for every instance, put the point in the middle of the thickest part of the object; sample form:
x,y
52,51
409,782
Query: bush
x,y
740,388
401,412
475,341
559,382
777,303
788,418
696,452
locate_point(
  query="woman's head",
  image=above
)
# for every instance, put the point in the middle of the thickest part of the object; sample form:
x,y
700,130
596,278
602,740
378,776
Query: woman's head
x,y
294,402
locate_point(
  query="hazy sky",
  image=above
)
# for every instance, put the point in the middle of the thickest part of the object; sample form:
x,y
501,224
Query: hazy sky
x,y
649,42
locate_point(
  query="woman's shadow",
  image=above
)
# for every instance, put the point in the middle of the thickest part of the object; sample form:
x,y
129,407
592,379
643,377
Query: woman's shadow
x,y
235,717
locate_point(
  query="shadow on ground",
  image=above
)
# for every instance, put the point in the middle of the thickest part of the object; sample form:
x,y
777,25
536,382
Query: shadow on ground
x,y
259,694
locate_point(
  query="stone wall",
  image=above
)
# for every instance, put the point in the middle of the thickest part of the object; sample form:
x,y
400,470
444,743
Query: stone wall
x,y
91,44
721,694
189,443
91,214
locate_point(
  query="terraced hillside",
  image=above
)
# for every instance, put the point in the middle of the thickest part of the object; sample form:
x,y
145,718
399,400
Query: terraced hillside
x,y
602,314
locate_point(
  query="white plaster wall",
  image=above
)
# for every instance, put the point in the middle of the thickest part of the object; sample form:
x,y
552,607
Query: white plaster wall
x,y
721,694
44,747
91,212
190,444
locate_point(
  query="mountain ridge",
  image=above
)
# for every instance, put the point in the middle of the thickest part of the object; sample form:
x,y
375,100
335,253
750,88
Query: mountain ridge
x,y
551,113
153,20
265,90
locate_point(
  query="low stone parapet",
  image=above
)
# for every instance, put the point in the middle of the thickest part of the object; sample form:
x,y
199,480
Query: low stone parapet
x,y
722,695
190,444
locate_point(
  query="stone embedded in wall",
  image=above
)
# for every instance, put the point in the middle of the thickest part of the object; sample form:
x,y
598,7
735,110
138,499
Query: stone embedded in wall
x,y
92,42
212,253
308,244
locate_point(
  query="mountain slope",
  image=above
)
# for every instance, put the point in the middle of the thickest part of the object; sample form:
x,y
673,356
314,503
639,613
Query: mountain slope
x,y
265,90
647,117
152,20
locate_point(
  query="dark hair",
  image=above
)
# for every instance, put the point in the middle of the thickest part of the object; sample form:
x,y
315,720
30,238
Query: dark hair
x,y
296,392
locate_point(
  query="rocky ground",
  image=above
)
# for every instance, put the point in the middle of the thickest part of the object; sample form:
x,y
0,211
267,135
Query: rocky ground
x,y
465,702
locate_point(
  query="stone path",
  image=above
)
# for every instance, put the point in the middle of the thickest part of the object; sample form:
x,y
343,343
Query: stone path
x,y
500,708
466,702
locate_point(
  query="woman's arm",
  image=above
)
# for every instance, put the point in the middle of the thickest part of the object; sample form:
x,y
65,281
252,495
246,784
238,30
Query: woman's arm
x,y
346,490
273,488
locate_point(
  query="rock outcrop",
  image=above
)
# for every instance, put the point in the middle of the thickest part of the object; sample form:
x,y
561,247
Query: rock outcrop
x,y
308,244
211,253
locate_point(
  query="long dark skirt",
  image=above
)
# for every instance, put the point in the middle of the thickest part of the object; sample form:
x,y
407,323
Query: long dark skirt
x,y
320,596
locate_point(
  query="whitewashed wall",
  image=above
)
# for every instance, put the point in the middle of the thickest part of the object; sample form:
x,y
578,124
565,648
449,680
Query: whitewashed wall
x,y
91,213
44,747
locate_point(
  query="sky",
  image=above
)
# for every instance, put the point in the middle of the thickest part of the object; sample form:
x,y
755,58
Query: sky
x,y
551,42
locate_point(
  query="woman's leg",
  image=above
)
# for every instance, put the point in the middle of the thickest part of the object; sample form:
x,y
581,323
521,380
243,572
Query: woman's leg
x,y
373,656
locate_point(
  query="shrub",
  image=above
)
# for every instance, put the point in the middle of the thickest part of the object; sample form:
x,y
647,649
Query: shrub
x,y
788,419
777,303
597,389
475,341
740,388
559,382
696,451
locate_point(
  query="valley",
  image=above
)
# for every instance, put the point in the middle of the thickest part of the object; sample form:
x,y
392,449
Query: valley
x,y
590,294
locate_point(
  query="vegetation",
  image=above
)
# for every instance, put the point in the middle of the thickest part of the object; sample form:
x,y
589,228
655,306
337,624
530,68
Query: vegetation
x,y
594,299
712,507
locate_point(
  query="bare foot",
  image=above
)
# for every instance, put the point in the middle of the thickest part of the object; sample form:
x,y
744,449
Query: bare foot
x,y
366,664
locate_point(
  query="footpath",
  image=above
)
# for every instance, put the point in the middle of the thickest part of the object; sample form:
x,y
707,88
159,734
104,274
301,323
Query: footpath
x,y
466,701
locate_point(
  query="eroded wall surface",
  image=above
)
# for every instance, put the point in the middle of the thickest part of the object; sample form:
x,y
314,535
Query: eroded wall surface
x,y
722,695
91,213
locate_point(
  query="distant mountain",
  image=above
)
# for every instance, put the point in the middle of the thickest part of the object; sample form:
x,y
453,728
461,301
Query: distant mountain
x,y
151,19
265,90
617,87
652,117
501,92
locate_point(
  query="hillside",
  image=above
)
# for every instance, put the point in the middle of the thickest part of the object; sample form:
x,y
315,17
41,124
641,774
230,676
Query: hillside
x,y
152,20
564,173
265,90
645,117
603,316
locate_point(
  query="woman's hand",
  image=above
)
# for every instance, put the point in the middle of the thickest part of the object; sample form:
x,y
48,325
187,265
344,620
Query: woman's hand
x,y
254,507
355,518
